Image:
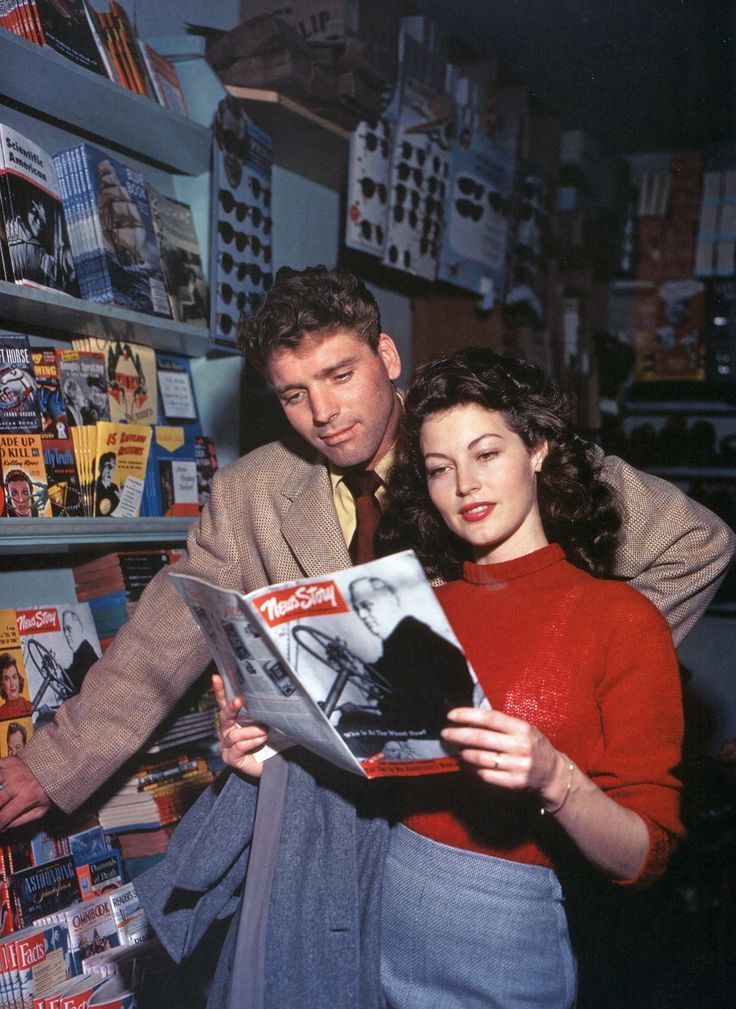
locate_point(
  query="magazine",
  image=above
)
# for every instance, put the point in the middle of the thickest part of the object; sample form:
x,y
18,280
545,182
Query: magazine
x,y
359,666
181,260
20,402
30,203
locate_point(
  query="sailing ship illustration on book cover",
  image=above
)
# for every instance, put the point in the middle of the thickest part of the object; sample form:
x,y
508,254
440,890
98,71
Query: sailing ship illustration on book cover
x,y
38,250
122,264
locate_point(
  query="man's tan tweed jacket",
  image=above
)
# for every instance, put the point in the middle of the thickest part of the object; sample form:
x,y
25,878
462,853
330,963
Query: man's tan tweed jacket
x,y
271,518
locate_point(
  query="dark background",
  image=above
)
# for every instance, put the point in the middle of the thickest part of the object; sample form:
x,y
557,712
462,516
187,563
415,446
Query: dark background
x,y
641,75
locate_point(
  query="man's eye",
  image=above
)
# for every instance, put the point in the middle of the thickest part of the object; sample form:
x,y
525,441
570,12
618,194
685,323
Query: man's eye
x,y
343,376
292,399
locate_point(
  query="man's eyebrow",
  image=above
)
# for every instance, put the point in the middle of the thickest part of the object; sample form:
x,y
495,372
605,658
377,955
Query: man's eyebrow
x,y
345,362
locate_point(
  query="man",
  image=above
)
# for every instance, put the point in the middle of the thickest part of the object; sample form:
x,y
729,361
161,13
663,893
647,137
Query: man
x,y
284,512
16,738
107,494
413,656
83,654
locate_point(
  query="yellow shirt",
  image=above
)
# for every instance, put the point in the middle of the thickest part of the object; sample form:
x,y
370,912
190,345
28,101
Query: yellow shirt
x,y
344,500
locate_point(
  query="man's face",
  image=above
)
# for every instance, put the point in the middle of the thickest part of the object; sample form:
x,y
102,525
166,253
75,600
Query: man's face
x,y
338,395
15,744
72,631
11,683
107,473
35,220
376,607
19,492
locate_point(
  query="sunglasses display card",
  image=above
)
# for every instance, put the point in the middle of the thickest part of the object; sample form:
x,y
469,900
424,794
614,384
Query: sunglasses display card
x,y
419,170
368,182
476,223
241,223
527,264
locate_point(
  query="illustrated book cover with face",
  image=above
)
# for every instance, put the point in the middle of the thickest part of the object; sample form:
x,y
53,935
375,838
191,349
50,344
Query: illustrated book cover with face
x,y
360,666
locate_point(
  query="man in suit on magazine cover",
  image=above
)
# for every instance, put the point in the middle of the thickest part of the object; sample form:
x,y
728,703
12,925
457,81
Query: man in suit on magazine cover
x,y
284,511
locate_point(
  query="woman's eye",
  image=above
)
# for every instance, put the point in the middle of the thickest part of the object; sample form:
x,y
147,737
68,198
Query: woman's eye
x,y
436,471
487,456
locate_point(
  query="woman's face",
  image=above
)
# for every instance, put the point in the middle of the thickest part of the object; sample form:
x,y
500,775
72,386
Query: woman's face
x,y
482,480
11,683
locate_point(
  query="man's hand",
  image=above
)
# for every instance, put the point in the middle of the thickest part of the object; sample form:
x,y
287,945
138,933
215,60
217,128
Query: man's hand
x,y
238,741
22,799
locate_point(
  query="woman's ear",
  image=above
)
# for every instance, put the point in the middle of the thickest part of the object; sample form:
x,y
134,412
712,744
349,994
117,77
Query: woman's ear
x,y
539,455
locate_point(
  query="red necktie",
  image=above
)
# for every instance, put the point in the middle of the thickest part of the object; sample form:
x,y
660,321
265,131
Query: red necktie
x,y
363,485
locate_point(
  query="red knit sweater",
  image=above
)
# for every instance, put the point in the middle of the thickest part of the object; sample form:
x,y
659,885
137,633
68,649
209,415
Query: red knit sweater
x,y
591,664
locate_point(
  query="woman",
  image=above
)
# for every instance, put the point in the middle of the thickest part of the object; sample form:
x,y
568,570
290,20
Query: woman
x,y
572,766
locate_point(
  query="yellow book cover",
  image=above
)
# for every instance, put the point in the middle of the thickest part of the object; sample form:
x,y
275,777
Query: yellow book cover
x,y
132,381
120,465
15,702
25,486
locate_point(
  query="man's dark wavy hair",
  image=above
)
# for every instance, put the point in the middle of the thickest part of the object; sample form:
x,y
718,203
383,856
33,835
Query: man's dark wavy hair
x,y
577,508
315,300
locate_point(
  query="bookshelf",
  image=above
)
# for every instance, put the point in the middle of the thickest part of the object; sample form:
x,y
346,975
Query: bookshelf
x,y
69,535
51,314
39,81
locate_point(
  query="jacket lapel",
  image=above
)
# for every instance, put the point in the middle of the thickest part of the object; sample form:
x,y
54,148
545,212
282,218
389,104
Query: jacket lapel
x,y
310,526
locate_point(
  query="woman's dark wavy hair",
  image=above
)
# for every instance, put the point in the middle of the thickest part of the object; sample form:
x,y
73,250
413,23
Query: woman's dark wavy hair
x,y
314,300
577,508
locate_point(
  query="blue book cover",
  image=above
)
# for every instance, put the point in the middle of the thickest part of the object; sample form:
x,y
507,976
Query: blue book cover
x,y
171,474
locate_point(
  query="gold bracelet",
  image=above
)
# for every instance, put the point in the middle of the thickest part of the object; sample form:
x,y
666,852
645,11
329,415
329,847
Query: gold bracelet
x,y
551,812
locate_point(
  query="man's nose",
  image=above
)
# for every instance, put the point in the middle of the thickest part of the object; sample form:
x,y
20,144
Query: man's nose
x,y
324,406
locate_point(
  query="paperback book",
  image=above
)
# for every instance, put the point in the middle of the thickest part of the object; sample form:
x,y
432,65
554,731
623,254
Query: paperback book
x,y
20,404
51,402
43,889
67,29
91,927
25,486
83,376
36,238
131,378
360,666
164,79
177,401
120,464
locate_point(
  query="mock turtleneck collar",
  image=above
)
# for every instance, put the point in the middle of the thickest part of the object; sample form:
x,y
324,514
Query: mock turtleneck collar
x,y
505,571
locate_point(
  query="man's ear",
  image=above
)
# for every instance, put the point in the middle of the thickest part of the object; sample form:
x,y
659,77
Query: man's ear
x,y
389,354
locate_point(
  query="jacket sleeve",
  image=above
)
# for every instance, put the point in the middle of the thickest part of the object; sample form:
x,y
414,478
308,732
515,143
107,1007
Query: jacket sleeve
x,y
672,549
149,665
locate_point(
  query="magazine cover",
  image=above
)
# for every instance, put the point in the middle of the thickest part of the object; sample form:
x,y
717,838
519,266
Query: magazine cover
x,y
35,960
30,203
127,266
15,701
43,889
180,258
25,485
360,666
20,405
120,465
83,376
59,644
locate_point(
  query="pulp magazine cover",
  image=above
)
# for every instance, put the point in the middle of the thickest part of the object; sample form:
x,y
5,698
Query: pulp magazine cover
x,y
120,464
359,666
59,644
35,229
131,378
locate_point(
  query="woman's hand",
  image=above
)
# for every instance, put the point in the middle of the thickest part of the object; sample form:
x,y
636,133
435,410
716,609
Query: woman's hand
x,y
238,742
508,752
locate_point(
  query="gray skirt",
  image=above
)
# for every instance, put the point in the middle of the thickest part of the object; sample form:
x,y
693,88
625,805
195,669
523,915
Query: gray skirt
x,y
461,930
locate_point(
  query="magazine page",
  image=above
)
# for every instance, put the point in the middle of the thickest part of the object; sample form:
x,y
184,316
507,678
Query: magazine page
x,y
251,667
369,646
